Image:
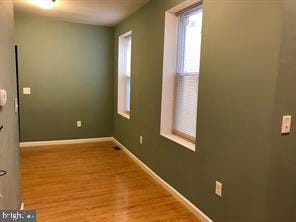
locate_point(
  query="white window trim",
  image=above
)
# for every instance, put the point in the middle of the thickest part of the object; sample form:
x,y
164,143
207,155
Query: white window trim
x,y
177,139
121,78
169,71
126,115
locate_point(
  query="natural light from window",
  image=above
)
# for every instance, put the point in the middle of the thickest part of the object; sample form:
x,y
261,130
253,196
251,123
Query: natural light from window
x,y
192,42
181,70
189,46
124,74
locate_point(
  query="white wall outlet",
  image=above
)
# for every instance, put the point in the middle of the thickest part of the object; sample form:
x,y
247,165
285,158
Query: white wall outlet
x,y
218,189
79,123
286,124
26,91
141,140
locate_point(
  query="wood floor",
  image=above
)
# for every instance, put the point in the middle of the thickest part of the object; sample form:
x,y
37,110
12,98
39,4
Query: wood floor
x,y
93,182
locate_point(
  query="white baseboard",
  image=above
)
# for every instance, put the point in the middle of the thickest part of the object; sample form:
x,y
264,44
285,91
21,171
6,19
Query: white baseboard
x,y
22,206
197,212
64,142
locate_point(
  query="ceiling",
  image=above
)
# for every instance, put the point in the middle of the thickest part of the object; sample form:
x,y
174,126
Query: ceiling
x,y
96,12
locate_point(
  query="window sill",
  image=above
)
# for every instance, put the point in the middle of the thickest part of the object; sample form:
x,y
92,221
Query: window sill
x,y
124,115
179,140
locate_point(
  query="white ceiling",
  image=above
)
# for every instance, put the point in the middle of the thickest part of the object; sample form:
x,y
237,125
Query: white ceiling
x,y
96,12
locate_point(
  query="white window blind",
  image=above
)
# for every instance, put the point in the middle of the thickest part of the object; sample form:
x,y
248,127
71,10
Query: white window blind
x,y
188,65
124,73
128,72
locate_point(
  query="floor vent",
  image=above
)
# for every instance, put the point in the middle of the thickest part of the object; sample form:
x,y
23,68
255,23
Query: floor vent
x,y
116,148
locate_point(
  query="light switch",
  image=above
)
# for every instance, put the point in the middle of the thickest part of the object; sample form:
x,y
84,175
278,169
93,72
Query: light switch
x,y
79,123
3,97
26,91
286,124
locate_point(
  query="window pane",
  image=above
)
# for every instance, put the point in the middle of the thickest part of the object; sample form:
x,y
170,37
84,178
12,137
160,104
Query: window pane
x,y
128,72
128,93
128,55
186,105
189,44
192,42
124,73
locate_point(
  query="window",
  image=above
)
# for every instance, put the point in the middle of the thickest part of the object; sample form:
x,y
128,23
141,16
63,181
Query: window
x,y
124,74
188,62
181,65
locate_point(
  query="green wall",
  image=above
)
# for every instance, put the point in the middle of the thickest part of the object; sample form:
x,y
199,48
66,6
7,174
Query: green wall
x,y
281,202
246,84
69,68
9,148
239,67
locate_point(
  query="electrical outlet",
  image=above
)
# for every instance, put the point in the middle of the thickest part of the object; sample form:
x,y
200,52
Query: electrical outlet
x,y
218,189
79,124
141,140
286,124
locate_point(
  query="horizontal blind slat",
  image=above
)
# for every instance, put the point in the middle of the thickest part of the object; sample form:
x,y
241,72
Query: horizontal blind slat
x,y
186,104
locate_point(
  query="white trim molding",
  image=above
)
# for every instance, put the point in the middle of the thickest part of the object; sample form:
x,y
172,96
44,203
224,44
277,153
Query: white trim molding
x,y
65,142
169,73
197,212
22,206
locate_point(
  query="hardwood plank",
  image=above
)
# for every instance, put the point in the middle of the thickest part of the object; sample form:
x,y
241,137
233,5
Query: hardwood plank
x,y
93,182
